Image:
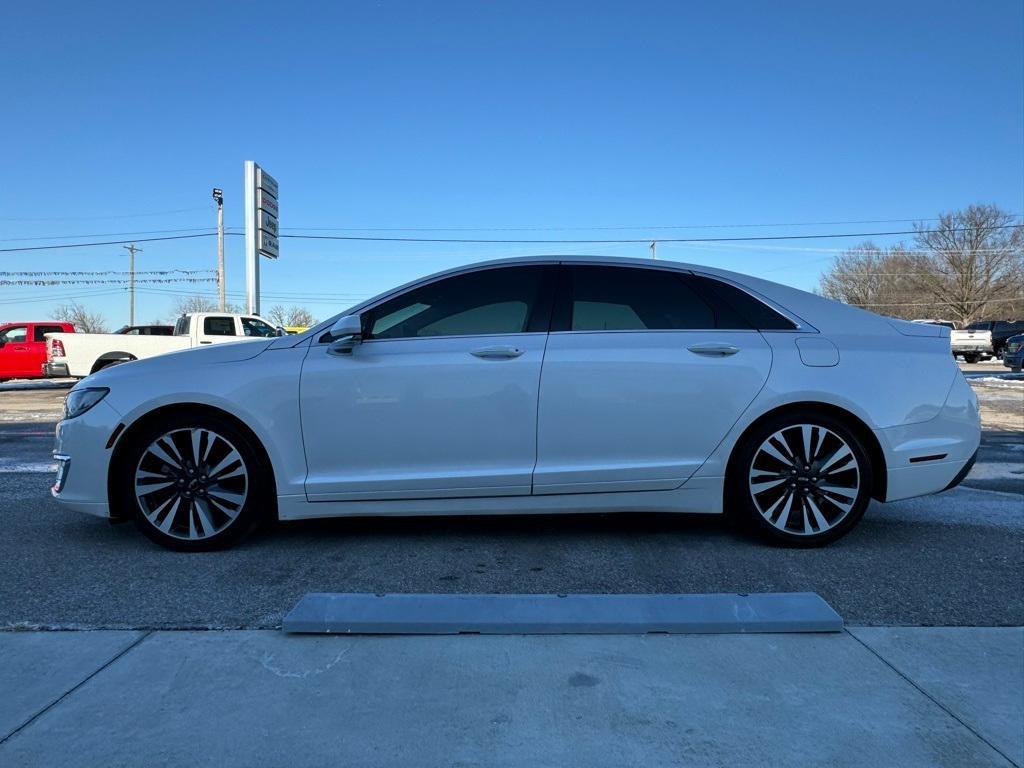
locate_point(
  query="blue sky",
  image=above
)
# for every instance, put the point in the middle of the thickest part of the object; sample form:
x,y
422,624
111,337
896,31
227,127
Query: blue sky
x,y
568,115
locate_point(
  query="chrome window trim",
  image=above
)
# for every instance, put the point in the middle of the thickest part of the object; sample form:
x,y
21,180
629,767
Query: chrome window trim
x,y
459,336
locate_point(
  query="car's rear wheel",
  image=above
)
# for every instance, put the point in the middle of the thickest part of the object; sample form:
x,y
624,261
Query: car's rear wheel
x,y
801,479
194,484
971,358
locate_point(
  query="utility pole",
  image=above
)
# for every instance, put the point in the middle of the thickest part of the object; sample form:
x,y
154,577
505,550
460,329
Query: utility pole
x,y
218,195
132,250
654,249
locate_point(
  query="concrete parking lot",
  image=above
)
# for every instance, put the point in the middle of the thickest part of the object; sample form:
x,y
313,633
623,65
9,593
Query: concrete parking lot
x,y
953,559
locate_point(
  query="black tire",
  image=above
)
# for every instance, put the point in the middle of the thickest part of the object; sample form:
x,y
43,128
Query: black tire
x,y
230,520
108,363
970,358
744,508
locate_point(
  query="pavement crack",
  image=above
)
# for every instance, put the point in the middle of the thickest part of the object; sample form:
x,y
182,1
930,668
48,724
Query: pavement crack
x,y
932,699
131,646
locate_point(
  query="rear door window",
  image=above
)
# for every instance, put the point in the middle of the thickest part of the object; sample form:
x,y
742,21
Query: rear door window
x,y
633,299
219,326
39,332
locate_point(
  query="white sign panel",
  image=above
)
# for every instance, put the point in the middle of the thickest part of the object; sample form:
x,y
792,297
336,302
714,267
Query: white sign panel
x,y
266,182
266,244
266,202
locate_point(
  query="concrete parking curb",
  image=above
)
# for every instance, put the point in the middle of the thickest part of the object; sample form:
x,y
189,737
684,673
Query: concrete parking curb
x,y
449,614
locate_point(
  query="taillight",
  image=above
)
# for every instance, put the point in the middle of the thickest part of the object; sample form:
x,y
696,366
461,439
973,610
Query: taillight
x,y
56,349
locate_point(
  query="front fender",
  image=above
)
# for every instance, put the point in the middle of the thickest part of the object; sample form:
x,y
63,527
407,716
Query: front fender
x,y
262,392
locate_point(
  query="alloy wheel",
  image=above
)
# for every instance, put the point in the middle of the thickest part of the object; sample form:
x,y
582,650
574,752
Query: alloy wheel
x,y
804,479
191,483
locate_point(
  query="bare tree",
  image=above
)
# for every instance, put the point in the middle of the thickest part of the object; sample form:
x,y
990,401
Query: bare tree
x,y
876,279
972,263
185,305
83,320
292,316
968,266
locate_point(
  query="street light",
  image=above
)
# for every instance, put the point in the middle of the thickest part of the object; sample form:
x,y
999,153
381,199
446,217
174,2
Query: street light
x,y
218,195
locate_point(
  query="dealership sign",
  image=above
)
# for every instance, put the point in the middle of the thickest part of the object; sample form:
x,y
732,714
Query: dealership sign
x,y
266,214
261,228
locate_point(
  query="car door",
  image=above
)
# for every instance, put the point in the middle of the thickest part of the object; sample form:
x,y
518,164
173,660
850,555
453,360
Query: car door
x,y
645,372
15,356
440,397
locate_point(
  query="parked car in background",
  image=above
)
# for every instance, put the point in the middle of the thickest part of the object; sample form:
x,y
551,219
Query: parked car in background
x,y
1013,353
23,347
548,384
295,329
145,330
1001,331
85,353
973,345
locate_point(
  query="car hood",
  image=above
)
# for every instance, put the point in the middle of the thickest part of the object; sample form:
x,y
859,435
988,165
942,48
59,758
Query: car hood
x,y
214,354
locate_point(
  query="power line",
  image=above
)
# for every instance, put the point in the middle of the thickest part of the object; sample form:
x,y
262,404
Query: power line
x,y
38,298
607,228
477,241
106,234
100,218
107,242
644,240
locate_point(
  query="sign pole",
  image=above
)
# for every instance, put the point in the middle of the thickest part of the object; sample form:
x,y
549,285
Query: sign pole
x,y
252,259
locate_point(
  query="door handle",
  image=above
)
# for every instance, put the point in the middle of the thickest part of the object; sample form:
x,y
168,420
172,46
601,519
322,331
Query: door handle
x,y
713,349
20,349
206,342
497,353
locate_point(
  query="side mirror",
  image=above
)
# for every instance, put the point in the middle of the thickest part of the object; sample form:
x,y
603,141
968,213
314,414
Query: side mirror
x,y
345,334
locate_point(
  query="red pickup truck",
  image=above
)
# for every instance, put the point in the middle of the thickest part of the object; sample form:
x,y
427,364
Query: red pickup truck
x,y
23,347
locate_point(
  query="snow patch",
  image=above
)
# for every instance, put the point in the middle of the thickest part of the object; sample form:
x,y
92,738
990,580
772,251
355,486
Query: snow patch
x,y
38,467
999,382
15,384
996,470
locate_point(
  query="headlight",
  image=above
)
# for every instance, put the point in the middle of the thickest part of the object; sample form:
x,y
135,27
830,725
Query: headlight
x,y
79,401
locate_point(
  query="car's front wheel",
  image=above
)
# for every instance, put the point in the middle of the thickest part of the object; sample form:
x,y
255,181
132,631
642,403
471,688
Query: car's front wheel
x,y
193,483
801,479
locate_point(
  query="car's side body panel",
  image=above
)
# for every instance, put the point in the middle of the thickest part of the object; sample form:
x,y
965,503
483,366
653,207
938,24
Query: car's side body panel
x,y
421,417
639,410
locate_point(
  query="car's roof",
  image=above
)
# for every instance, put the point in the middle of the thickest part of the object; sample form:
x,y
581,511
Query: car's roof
x,y
35,322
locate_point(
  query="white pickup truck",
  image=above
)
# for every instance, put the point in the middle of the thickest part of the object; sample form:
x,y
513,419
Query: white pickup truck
x,y
81,354
972,344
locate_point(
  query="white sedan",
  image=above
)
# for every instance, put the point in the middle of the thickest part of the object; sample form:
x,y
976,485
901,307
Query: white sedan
x,y
540,385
